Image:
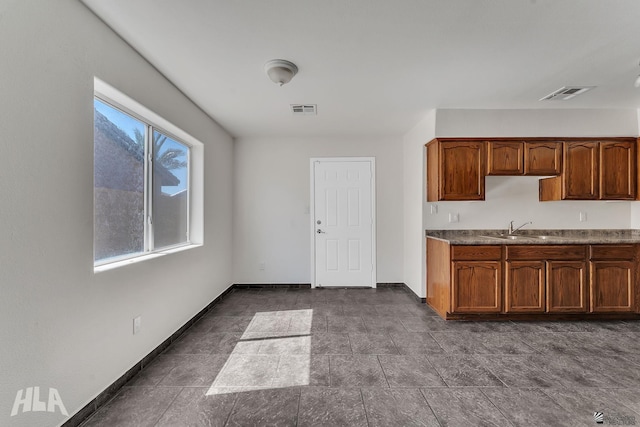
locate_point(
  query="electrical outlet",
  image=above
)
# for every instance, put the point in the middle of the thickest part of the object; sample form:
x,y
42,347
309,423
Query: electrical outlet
x,y
137,322
262,266
454,217
434,209
583,216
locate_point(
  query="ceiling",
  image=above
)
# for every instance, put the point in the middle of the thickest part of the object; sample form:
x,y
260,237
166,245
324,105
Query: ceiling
x,y
375,67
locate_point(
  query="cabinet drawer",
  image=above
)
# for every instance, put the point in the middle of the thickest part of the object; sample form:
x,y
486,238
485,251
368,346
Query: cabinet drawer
x,y
546,252
476,253
623,252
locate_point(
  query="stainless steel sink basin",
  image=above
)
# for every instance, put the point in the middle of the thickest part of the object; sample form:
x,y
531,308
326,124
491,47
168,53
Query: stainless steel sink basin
x,y
509,237
519,237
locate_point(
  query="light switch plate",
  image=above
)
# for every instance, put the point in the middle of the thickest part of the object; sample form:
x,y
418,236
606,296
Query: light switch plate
x,y
583,216
454,217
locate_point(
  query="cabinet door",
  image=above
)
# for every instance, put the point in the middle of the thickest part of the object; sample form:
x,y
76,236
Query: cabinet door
x,y
612,286
542,158
524,287
580,178
505,158
477,287
462,170
566,287
617,170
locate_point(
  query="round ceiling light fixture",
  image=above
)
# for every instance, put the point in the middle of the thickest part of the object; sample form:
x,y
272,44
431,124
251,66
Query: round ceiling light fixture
x,y
280,71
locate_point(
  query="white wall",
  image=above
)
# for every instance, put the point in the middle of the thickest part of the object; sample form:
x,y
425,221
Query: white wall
x,y
414,195
62,325
271,205
516,198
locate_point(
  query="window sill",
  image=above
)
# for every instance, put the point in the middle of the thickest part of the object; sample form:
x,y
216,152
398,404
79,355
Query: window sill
x,y
129,261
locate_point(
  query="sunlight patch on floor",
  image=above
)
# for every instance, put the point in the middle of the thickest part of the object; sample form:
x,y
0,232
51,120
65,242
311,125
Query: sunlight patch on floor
x,y
273,352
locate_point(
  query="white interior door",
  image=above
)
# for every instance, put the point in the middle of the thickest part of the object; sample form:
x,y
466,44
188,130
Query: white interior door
x,y
343,222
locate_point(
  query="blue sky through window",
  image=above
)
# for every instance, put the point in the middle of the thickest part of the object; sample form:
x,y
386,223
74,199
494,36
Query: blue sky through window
x,y
129,125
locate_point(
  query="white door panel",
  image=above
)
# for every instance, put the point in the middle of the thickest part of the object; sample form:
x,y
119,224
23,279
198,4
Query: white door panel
x,y
343,223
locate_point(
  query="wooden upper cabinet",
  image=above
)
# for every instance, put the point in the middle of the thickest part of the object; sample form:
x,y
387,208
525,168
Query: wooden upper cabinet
x,y
524,157
617,170
505,158
580,172
455,170
542,158
595,170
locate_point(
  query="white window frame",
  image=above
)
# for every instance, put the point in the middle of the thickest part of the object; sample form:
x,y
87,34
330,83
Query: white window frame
x,y
195,177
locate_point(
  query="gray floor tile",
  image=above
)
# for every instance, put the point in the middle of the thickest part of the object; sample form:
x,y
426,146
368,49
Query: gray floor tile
x,y
569,371
345,324
410,371
467,407
422,323
614,368
338,348
135,407
330,344
327,309
306,322
583,402
275,407
517,371
359,310
327,407
270,321
158,369
195,407
464,371
195,370
399,407
356,371
247,370
415,343
383,324
287,345
372,344
302,370
228,323
530,408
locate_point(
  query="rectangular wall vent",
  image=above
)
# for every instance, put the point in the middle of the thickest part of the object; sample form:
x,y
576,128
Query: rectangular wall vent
x,y
567,92
304,109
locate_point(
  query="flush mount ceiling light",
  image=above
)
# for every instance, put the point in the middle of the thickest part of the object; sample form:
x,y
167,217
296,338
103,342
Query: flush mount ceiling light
x,y
280,71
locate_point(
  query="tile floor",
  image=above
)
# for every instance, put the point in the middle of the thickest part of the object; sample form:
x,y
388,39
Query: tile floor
x,y
375,357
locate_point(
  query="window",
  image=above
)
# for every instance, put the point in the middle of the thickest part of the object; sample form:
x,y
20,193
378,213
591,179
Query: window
x,y
142,185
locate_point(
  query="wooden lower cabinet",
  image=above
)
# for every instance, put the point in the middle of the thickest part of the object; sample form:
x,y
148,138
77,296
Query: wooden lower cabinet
x,y
477,287
525,290
612,286
531,281
567,287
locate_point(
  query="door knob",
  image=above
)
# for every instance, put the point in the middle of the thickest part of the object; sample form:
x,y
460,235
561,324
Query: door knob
x,y
320,231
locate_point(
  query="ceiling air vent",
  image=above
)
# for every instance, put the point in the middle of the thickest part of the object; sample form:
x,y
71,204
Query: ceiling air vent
x,y
304,109
567,92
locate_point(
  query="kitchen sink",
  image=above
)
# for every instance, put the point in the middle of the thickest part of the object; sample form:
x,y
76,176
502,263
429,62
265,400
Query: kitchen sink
x,y
508,237
519,237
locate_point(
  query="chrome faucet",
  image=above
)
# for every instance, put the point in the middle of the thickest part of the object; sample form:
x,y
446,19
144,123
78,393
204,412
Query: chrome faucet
x,y
512,230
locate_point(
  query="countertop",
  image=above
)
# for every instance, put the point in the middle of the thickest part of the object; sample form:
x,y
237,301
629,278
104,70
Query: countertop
x,y
536,237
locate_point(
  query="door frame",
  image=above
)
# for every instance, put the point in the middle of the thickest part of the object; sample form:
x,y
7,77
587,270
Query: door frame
x,y
312,211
